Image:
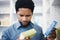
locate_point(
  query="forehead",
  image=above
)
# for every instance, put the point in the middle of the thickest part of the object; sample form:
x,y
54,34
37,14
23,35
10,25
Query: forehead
x,y
24,11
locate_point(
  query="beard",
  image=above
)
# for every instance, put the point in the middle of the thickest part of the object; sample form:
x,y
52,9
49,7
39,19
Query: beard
x,y
25,24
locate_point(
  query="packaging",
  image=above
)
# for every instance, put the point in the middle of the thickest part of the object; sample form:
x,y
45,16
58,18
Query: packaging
x,y
30,33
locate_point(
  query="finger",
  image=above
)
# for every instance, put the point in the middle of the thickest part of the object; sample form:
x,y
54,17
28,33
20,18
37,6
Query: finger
x,y
18,38
27,38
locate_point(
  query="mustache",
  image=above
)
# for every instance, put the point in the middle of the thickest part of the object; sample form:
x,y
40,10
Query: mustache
x,y
25,21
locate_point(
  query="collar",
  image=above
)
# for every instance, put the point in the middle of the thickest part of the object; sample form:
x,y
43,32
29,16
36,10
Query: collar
x,y
18,24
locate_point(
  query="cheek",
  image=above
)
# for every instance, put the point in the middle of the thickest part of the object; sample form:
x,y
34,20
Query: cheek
x,y
29,18
19,18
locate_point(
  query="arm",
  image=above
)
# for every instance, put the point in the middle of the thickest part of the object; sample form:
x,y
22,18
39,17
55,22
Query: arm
x,y
42,36
40,33
5,36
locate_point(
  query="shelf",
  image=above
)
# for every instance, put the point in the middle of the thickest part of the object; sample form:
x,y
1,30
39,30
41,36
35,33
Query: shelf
x,y
4,26
4,0
5,22
4,10
37,14
38,3
2,13
56,3
4,3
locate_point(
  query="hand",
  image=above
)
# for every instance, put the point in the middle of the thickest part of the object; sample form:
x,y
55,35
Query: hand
x,y
52,35
26,38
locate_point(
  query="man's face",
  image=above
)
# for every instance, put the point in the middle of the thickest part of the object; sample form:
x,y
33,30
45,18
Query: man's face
x,y
24,15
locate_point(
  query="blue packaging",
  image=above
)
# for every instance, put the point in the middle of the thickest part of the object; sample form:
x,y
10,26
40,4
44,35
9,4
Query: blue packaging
x,y
50,28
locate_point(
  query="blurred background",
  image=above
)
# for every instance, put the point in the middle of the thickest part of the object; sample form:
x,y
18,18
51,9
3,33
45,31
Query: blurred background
x,y
44,13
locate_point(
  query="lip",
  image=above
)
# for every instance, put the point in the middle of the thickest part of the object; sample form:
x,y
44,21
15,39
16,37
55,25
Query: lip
x,y
25,22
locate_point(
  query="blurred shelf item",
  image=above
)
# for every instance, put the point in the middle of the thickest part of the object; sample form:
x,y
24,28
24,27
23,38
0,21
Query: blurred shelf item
x,y
4,3
4,16
56,3
4,13
4,0
4,26
5,10
58,33
5,21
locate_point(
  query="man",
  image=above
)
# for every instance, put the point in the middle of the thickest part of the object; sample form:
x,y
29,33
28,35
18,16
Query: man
x,y
24,12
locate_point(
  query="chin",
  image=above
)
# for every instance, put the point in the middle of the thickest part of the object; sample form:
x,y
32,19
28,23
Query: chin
x,y
25,24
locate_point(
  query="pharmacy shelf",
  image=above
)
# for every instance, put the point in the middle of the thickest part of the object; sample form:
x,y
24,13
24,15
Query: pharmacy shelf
x,y
4,20
56,3
4,3
4,9
4,13
4,0
4,26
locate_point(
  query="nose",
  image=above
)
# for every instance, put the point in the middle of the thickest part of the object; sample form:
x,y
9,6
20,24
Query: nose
x,y
24,18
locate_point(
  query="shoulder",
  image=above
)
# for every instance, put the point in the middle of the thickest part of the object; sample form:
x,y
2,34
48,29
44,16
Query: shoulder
x,y
11,28
8,30
37,27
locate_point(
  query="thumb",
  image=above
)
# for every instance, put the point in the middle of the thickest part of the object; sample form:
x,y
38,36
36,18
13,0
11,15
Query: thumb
x,y
27,38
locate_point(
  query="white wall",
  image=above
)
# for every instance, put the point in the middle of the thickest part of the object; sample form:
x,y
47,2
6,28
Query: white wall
x,y
55,14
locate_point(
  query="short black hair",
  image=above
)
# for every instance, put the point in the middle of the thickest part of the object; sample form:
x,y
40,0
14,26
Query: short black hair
x,y
24,4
